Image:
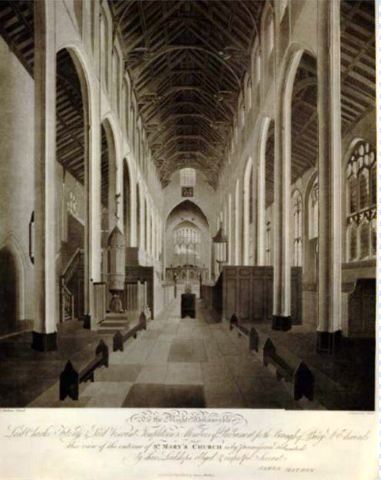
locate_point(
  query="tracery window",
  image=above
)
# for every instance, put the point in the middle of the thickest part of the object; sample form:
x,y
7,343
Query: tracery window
x,y
361,202
187,246
313,212
297,243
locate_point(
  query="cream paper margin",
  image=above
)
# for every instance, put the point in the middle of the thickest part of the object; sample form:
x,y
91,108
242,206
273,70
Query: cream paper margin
x,y
71,444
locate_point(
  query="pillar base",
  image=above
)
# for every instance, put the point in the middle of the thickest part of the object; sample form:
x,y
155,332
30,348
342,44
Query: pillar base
x,y
328,342
44,342
281,322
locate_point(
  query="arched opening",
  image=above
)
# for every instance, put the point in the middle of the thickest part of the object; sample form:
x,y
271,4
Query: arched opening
x,y
9,291
304,157
127,201
72,150
310,250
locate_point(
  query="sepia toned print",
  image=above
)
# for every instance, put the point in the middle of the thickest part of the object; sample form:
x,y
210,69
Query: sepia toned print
x,y
188,204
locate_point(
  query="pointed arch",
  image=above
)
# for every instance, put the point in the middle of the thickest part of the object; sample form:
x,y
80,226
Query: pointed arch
x,y
12,256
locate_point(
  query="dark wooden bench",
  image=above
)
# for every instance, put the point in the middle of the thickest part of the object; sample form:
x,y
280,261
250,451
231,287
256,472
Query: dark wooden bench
x,y
252,334
70,378
291,369
120,338
188,305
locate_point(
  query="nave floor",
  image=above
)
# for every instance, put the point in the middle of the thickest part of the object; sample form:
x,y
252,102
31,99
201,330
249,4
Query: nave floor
x,y
180,363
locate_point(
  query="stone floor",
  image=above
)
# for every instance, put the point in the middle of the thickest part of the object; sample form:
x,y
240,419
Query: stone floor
x,y
180,363
183,363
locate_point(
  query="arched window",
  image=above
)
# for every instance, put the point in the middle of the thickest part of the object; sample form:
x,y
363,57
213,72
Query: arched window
x,y
187,246
251,197
361,202
297,243
268,243
313,212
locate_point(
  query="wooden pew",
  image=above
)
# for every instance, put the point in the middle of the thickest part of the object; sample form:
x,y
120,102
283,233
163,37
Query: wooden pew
x,y
120,338
70,378
291,369
252,334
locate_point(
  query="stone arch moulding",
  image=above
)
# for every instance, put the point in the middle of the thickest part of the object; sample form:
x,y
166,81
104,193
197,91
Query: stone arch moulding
x,y
194,202
10,242
187,204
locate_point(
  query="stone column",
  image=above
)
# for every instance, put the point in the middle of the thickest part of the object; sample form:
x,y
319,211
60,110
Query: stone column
x,y
149,230
156,237
93,251
230,231
45,293
329,168
254,227
237,231
261,192
282,199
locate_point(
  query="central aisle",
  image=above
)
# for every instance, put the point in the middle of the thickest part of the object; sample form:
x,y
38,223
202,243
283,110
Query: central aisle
x,y
190,363
187,363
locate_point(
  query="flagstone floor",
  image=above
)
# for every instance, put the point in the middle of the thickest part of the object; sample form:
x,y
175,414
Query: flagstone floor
x,y
177,363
